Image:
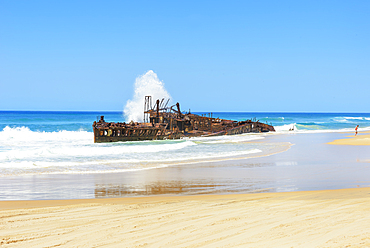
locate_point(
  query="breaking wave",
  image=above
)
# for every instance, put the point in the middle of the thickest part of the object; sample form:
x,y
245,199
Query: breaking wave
x,y
351,119
23,151
145,85
313,128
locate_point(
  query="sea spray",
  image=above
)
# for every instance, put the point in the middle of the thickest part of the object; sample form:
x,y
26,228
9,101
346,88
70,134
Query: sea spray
x,y
145,85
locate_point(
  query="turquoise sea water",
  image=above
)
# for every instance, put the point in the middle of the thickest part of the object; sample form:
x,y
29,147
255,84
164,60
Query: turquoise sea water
x,y
62,142
49,121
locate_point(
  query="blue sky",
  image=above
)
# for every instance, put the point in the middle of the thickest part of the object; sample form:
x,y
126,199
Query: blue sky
x,y
248,56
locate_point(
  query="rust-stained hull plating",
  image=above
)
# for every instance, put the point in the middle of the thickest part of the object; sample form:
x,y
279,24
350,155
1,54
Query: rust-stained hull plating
x,y
162,122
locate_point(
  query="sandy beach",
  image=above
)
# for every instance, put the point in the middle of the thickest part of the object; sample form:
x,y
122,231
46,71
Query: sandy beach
x,y
327,218
173,214
362,139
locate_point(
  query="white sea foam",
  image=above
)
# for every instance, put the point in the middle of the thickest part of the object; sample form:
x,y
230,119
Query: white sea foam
x,y
354,118
350,119
22,144
25,151
228,138
106,166
286,128
145,85
24,134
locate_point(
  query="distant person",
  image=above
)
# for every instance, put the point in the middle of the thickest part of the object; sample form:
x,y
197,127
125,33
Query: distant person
x,y
356,130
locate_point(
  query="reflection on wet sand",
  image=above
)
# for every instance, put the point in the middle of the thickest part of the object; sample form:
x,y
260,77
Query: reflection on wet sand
x,y
111,190
162,188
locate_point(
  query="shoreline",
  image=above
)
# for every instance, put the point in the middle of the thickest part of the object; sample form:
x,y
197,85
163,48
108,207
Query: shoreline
x,y
30,204
361,139
323,218
294,169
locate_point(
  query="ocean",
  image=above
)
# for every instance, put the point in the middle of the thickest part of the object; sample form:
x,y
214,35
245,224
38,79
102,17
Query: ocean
x,y
33,142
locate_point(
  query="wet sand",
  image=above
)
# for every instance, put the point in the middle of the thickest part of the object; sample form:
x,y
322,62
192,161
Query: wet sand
x,y
309,164
326,218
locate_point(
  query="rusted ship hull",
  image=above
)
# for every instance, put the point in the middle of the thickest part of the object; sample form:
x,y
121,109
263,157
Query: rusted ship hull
x,y
115,133
162,122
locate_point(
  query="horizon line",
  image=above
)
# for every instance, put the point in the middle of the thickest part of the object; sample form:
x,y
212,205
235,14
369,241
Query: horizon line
x,y
312,112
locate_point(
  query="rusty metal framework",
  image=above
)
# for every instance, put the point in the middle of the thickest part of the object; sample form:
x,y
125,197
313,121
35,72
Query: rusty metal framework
x,y
168,122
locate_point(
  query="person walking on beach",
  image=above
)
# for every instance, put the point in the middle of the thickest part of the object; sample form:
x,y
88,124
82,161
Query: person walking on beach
x,y
356,130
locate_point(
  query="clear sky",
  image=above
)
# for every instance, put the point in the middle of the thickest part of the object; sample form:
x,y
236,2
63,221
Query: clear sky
x,y
248,56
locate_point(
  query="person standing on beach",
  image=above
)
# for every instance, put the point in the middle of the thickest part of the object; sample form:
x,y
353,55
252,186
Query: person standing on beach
x,y
356,130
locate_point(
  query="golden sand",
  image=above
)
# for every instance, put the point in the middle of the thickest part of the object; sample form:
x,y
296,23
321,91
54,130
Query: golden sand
x,y
327,218
358,140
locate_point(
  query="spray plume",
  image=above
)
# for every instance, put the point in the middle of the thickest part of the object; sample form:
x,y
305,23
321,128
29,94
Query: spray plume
x,y
145,85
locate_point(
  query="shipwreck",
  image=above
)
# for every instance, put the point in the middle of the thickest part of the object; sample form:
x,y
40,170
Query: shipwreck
x,y
168,122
